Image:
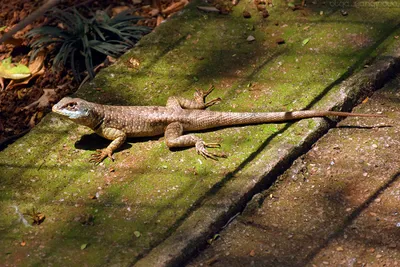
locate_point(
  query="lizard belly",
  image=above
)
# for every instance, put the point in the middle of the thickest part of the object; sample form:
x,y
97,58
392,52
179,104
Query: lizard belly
x,y
150,131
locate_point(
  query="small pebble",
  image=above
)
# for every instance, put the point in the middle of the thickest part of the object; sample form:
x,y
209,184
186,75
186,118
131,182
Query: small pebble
x,y
251,38
246,14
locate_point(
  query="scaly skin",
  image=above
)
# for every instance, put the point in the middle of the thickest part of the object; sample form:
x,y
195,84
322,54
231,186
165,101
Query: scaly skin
x,y
180,115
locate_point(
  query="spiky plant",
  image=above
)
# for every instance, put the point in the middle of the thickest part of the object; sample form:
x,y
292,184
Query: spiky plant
x,y
75,37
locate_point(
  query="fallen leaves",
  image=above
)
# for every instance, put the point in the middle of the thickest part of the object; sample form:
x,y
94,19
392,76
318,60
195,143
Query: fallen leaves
x,y
36,68
49,96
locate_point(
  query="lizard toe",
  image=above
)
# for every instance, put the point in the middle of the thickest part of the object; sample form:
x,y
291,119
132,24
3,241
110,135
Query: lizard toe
x,y
201,150
100,155
213,102
212,145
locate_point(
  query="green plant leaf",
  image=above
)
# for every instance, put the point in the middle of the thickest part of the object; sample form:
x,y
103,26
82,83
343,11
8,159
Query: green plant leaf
x,y
137,233
78,36
305,41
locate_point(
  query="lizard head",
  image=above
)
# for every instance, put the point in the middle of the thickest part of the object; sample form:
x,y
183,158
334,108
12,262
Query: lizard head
x,y
75,109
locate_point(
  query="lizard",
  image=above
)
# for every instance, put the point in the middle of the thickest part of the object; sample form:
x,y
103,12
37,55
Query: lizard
x,y
180,115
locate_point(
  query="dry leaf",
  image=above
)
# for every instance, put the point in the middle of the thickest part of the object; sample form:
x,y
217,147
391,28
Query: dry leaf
x,y
160,19
252,253
36,68
154,12
134,62
48,96
37,65
118,9
175,7
365,100
14,41
23,244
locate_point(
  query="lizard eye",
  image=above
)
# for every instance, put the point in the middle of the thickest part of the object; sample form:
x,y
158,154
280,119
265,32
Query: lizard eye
x,y
71,106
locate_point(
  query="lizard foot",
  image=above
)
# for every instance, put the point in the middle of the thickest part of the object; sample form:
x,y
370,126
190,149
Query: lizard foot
x,y
201,150
200,94
100,155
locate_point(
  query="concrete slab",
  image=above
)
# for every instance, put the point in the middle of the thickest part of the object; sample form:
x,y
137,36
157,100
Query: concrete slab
x,y
338,205
169,203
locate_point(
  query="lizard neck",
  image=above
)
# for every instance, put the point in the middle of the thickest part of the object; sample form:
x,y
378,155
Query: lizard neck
x,y
95,118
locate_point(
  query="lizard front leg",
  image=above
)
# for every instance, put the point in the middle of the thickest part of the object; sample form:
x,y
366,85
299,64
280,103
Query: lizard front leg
x,y
199,101
118,137
174,138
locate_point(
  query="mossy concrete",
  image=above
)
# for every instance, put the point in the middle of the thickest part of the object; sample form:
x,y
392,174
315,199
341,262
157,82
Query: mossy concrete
x,y
337,205
150,193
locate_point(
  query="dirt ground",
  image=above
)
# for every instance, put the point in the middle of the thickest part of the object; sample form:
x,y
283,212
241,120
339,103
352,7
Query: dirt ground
x,y
338,205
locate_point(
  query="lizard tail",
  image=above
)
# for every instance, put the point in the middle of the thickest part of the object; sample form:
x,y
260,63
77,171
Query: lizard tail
x,y
215,119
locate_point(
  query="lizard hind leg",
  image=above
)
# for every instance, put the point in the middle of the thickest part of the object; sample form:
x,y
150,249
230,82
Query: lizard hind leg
x,y
174,138
199,101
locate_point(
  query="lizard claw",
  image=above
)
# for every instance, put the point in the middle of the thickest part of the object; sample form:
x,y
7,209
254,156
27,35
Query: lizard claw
x,y
203,94
201,150
212,102
100,155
